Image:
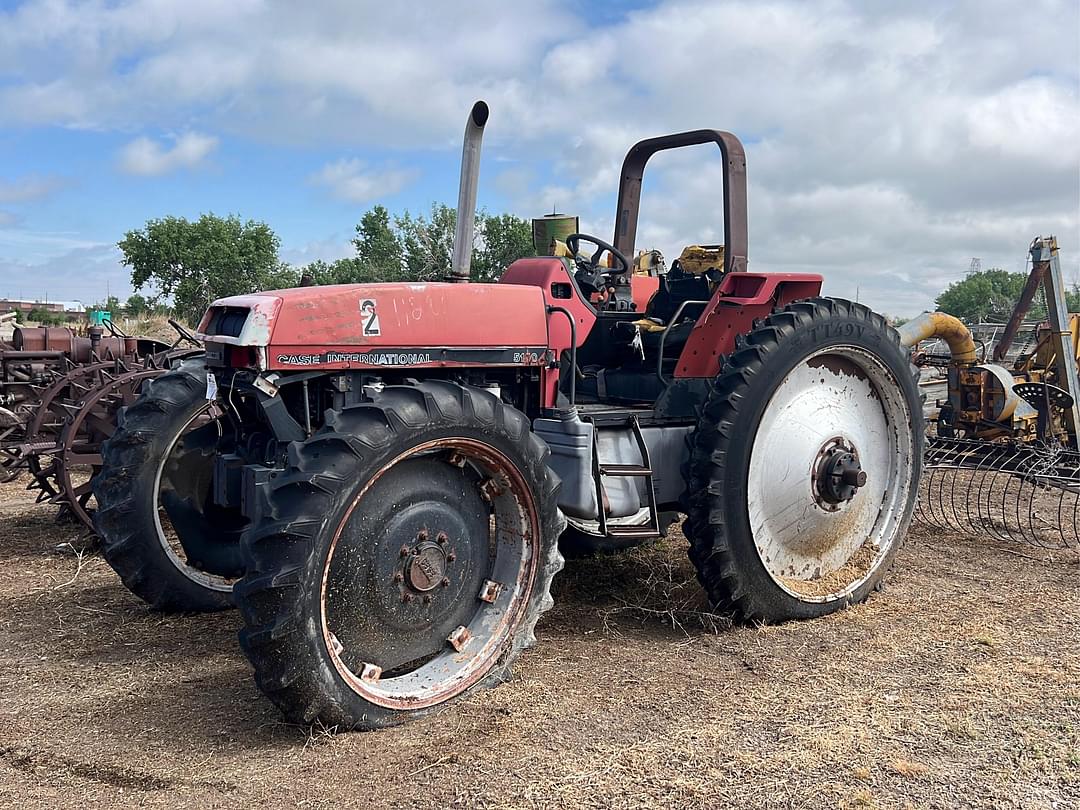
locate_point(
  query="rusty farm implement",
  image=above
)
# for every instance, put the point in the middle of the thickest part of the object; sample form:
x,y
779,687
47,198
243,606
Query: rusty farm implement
x,y
60,396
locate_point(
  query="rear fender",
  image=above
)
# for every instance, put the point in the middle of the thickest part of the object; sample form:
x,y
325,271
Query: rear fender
x,y
740,299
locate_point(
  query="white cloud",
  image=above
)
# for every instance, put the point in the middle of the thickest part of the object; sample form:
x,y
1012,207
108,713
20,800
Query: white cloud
x,y
29,188
327,250
149,158
352,181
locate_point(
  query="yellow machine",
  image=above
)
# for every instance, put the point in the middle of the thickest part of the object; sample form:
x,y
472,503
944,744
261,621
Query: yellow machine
x,y
1004,458
700,260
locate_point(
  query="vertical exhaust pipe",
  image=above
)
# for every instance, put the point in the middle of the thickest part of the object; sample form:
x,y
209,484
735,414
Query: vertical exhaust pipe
x,y
466,206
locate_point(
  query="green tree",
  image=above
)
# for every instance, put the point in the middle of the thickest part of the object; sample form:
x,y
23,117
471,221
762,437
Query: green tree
x,y
504,238
281,277
992,295
1072,298
45,317
378,249
427,244
987,295
340,271
137,305
419,247
110,304
196,262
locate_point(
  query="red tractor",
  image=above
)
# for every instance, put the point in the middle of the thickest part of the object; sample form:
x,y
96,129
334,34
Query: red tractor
x,y
378,475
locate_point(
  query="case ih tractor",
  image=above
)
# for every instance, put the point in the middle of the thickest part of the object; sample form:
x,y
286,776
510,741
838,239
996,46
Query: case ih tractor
x,y
378,475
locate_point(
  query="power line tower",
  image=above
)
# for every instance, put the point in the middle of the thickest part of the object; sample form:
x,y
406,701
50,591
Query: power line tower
x,y
975,266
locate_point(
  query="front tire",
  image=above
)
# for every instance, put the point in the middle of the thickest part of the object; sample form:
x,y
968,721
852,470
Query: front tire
x,y
804,466
402,558
160,530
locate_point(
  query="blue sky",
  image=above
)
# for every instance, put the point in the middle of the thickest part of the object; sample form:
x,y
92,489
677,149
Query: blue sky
x,y
888,143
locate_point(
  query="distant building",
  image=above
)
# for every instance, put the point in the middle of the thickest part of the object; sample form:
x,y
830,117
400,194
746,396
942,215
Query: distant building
x,y
69,309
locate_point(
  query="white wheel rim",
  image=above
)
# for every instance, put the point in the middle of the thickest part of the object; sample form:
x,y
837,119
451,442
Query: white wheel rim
x,y
816,550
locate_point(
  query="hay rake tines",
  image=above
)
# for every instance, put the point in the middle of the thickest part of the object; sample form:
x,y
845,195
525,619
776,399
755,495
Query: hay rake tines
x,y
1014,492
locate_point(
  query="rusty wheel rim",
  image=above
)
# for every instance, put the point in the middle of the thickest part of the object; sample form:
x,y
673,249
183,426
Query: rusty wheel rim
x,y
499,603
45,430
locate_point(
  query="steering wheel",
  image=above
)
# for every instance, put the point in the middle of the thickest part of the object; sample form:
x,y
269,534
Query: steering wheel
x,y
590,276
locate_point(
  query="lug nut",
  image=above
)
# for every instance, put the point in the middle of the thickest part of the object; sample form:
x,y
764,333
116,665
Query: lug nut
x,y
445,581
399,577
451,556
459,638
441,538
404,551
427,598
422,535
406,598
370,673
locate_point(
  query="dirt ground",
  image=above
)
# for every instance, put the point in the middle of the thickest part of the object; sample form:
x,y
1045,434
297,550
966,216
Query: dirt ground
x,y
956,686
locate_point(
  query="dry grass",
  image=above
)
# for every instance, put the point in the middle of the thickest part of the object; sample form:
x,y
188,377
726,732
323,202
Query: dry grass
x,y
957,686
151,326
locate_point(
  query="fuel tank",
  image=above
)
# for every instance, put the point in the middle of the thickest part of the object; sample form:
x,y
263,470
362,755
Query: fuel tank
x,y
379,325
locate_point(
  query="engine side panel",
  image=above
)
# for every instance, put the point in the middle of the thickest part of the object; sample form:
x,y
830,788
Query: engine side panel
x,y
386,325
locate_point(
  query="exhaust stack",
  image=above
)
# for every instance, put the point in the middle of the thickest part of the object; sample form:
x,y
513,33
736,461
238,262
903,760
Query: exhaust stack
x,y
466,207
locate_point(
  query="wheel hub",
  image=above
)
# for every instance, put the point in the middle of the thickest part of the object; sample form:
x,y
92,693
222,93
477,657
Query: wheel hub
x,y
425,567
838,475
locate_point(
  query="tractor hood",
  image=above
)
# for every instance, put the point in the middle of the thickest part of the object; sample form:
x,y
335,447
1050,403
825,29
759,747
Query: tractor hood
x,y
378,325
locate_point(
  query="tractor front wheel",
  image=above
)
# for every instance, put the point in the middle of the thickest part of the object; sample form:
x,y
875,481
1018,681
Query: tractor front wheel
x,y
805,463
405,555
160,528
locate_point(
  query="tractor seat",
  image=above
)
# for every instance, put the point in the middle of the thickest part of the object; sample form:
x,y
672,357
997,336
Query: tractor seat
x,y
675,288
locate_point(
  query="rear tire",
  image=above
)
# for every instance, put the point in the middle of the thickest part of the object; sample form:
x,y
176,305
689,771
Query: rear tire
x,y
773,533
343,629
140,462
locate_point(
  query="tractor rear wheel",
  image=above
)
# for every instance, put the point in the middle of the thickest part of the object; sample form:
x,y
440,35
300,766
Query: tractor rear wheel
x,y
404,557
160,529
804,466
